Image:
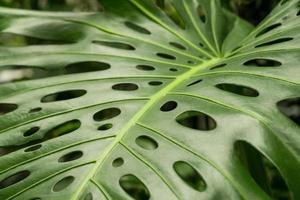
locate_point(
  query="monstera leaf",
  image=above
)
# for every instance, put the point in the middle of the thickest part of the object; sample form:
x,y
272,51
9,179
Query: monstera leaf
x,y
162,100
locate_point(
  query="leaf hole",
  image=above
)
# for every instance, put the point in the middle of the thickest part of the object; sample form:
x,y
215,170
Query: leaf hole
x,y
262,170
35,110
118,162
166,56
62,129
134,187
260,62
146,142
63,183
155,83
7,108
169,106
173,69
177,45
106,114
145,67
238,89
116,45
290,108
268,29
33,148
201,13
89,66
189,175
14,179
62,96
195,82
125,87
137,28
31,131
196,120
71,156
105,127
277,41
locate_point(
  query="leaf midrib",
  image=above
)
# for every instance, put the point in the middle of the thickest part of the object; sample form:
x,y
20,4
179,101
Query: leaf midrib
x,y
153,100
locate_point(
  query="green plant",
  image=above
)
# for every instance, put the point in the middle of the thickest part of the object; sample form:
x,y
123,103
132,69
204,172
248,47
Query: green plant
x,y
174,99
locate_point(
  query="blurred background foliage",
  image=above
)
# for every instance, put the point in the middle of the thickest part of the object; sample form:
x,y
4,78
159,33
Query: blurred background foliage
x,y
54,5
252,10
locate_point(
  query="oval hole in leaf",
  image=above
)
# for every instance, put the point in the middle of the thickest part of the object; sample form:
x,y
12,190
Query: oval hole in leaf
x,y
238,89
278,41
291,108
146,142
63,95
155,83
201,45
89,66
4,150
189,175
137,28
33,148
201,13
63,183
105,127
116,45
166,56
125,86
106,114
169,9
262,170
168,106
71,156
173,69
261,62
195,82
7,108
196,120
177,45
13,179
145,67
269,28
62,129
31,131
34,110
134,187
118,162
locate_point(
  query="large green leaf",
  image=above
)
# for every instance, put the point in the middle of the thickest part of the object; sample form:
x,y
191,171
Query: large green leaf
x,y
176,99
